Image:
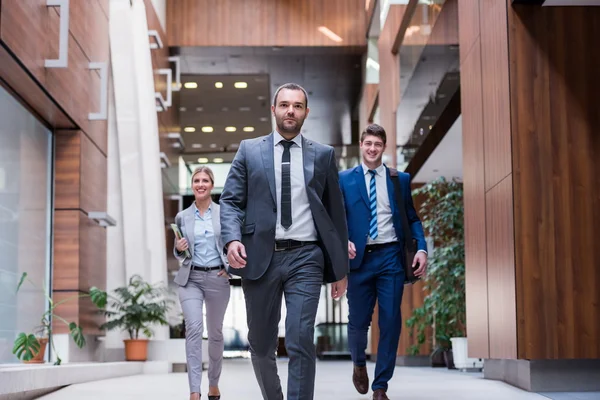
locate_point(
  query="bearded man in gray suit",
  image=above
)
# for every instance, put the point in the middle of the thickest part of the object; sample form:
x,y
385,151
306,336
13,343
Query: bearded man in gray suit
x,y
284,228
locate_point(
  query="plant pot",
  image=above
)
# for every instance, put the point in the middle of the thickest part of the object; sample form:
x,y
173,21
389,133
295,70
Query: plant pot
x,y
136,349
449,359
460,352
437,358
38,358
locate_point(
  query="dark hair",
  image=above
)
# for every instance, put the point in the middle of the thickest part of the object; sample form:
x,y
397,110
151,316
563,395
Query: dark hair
x,y
374,130
291,86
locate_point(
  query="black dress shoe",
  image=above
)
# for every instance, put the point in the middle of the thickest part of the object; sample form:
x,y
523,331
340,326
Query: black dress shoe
x,y
218,397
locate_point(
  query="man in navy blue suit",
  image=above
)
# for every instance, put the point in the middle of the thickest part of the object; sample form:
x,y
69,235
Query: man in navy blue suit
x,y
375,248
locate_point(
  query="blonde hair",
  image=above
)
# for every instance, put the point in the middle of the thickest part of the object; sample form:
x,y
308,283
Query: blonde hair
x,y
207,171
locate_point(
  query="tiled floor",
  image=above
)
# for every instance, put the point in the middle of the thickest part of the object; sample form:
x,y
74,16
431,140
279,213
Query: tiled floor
x,y
333,382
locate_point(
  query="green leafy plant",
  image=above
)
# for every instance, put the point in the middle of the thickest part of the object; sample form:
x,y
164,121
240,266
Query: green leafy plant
x,y
444,307
133,308
27,345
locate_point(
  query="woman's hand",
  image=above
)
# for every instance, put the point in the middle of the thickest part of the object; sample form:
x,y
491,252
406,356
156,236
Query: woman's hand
x,y
182,245
223,272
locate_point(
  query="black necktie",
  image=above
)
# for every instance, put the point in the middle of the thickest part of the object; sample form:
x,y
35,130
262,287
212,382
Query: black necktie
x,y
286,185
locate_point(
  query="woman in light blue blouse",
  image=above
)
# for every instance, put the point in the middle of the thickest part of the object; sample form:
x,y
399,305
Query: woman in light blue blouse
x,y
203,278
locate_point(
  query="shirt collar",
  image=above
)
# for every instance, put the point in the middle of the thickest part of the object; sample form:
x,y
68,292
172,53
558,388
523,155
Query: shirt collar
x,y
380,170
278,138
197,212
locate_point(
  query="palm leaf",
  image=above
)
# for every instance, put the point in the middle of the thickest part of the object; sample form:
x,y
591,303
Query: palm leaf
x,y
77,334
26,346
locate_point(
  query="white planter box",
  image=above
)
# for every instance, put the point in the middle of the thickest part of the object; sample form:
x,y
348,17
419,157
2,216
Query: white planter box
x,y
460,353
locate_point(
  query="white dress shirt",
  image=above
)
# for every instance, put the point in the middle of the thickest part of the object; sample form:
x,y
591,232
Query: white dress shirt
x,y
385,224
303,226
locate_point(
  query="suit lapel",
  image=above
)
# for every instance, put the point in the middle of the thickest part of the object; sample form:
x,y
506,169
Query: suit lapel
x,y
308,159
359,177
266,148
190,221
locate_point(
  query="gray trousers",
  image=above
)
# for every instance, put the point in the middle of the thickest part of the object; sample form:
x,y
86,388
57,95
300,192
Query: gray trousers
x,y
204,287
297,274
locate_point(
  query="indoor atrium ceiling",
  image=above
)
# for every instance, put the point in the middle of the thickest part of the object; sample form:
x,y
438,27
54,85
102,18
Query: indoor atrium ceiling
x,y
331,76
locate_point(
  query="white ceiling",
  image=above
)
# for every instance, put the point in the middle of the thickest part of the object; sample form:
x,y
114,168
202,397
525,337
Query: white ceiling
x,y
447,158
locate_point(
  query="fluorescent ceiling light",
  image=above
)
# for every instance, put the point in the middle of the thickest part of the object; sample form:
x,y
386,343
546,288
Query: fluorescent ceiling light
x,y
203,160
199,109
207,129
219,85
182,109
189,129
248,129
327,32
197,146
217,160
264,119
240,85
213,146
230,129
190,85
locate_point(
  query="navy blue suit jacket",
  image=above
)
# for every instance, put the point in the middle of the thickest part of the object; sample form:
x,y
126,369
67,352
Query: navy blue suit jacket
x,y
356,200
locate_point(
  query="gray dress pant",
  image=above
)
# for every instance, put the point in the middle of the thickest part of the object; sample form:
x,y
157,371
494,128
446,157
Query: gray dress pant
x,y
297,274
204,287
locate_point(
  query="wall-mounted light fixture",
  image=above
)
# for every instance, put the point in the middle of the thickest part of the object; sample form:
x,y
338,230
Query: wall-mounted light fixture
x,y
102,218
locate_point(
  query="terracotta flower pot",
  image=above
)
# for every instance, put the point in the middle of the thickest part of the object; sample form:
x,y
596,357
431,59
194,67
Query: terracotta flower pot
x,y
38,358
136,349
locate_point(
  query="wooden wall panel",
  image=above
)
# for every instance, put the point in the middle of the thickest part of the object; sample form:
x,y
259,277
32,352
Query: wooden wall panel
x,y
496,102
80,173
79,252
389,78
468,26
501,271
265,22
81,311
445,30
555,120
474,205
65,274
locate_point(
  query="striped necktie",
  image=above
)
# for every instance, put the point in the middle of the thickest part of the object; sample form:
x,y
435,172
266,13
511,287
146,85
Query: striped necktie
x,y
373,206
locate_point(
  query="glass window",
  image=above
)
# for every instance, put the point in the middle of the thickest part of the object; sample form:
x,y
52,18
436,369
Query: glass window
x,y
25,223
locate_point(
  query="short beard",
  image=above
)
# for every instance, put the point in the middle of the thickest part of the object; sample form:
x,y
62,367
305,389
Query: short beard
x,y
296,129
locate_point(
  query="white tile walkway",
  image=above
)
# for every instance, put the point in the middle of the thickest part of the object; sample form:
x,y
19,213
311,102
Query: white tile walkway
x,y
333,382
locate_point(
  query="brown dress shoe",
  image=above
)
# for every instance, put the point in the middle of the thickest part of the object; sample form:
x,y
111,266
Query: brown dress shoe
x,y
360,379
379,394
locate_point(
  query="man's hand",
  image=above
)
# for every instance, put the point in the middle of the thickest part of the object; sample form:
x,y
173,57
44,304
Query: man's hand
x,y
236,254
223,272
339,288
351,250
420,258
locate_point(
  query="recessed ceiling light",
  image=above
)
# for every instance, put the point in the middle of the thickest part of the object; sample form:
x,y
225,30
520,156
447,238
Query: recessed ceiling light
x,y
261,98
217,160
225,109
197,146
199,108
230,129
264,119
182,109
240,85
248,129
219,85
190,85
244,108
213,146
207,129
189,129
203,160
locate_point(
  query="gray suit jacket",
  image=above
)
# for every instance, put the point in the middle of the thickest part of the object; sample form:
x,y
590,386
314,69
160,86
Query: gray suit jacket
x,y
249,205
186,220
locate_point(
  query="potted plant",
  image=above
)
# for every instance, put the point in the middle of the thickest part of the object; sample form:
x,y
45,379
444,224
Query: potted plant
x,y
444,307
31,347
133,308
